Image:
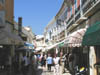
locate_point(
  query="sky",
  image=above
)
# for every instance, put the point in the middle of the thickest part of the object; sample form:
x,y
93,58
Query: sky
x,y
36,13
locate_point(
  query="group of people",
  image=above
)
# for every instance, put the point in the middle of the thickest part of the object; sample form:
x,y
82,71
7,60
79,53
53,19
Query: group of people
x,y
51,61
25,65
46,61
68,60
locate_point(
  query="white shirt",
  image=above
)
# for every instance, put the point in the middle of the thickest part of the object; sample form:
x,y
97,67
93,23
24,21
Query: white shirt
x,y
56,60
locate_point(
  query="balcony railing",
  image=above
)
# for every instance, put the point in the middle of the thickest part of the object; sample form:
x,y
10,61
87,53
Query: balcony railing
x,y
77,16
88,4
71,22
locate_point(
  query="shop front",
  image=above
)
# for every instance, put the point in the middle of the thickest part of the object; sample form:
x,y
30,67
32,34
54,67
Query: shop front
x,y
8,42
92,40
78,54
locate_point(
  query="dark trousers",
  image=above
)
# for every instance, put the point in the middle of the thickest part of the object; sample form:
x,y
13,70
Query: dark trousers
x,y
49,67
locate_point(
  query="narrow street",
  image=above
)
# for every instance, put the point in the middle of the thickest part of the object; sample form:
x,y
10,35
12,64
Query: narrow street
x,y
49,37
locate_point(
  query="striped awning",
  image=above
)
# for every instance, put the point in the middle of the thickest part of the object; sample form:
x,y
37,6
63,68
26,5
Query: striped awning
x,y
75,39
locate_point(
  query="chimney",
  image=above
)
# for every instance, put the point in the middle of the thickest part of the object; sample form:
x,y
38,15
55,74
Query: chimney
x,y
19,26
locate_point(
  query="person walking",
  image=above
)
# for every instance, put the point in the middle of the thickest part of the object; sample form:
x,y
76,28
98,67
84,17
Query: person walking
x,y
34,64
70,60
25,64
43,61
56,65
49,62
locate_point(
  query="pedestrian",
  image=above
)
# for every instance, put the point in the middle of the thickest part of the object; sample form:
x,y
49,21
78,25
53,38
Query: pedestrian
x,y
70,60
63,59
34,64
49,62
28,62
56,61
43,61
25,64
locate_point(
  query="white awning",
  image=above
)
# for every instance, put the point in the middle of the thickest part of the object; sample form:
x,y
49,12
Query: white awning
x,y
75,39
55,45
52,46
39,48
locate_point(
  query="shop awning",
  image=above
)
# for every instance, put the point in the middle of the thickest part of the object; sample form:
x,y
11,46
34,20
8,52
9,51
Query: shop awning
x,y
75,39
92,35
28,44
31,46
61,44
24,48
8,38
52,46
39,48
17,39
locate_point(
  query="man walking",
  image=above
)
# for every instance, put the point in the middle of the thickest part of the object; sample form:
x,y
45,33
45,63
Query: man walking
x,y
49,62
56,65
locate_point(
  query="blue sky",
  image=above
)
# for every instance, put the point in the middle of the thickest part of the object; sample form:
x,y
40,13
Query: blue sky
x,y
36,13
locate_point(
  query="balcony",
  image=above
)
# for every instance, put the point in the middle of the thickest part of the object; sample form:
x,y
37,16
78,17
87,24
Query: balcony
x,y
90,7
70,21
77,15
79,18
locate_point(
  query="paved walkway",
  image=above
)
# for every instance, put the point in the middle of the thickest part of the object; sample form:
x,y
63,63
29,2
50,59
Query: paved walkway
x,y
46,72
39,71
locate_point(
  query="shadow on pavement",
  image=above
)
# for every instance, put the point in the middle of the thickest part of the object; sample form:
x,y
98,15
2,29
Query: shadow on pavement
x,y
39,72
